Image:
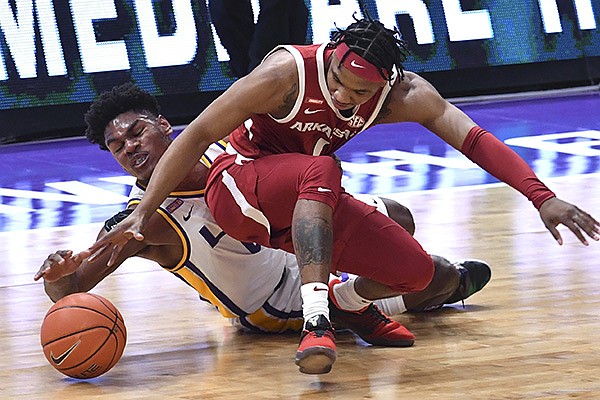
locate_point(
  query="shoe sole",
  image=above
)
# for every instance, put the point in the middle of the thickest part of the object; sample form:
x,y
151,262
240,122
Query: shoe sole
x,y
315,360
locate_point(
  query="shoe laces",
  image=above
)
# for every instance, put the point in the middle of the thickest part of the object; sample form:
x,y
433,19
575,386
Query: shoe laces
x,y
376,315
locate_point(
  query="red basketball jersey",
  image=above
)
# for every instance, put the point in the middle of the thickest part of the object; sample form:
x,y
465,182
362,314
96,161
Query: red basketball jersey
x,y
314,126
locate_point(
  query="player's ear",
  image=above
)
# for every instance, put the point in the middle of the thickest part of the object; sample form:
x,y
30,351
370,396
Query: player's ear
x,y
166,125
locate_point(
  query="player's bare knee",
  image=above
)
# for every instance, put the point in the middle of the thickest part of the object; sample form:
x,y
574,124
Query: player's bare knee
x,y
400,214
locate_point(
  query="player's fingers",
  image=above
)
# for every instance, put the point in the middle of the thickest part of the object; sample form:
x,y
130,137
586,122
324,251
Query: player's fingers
x,y
133,234
54,258
99,245
40,273
555,233
82,255
111,237
138,236
96,252
588,216
115,254
576,231
589,225
49,262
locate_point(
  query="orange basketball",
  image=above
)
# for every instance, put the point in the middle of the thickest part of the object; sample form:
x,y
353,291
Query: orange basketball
x,y
83,335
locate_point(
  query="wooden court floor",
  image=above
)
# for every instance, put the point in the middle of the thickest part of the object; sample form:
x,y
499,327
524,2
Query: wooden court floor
x,y
533,333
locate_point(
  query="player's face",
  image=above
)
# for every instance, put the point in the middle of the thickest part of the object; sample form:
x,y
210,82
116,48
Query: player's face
x,y
137,140
348,90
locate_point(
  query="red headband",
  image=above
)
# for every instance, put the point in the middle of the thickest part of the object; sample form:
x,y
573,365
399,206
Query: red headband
x,y
358,65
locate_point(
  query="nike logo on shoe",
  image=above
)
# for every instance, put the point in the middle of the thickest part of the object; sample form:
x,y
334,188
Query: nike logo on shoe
x,y
356,65
60,359
318,289
308,111
189,214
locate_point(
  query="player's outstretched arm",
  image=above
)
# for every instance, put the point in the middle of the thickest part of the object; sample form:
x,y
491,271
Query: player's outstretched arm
x,y
483,148
554,212
65,273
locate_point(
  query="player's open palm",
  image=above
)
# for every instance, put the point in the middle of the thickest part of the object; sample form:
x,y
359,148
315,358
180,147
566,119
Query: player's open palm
x,y
555,211
58,265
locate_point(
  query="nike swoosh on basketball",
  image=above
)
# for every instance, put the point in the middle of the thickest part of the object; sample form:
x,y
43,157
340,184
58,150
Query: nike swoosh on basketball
x,y
356,65
189,214
60,359
309,111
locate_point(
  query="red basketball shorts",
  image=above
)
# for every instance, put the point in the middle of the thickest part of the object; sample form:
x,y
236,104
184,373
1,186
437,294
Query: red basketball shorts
x,y
253,201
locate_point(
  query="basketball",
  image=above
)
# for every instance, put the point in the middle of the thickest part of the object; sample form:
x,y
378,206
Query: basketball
x,y
83,335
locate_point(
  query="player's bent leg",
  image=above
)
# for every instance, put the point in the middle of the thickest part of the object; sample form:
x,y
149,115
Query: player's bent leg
x,y
388,262
451,282
306,189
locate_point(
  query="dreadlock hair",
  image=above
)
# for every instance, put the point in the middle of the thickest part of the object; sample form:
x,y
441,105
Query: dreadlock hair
x,y
371,40
120,99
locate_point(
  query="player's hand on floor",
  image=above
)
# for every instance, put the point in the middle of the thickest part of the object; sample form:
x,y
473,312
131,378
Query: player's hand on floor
x,y
114,241
555,211
58,265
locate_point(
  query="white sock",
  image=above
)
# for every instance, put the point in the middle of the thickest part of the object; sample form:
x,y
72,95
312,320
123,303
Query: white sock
x,y
315,300
392,305
347,298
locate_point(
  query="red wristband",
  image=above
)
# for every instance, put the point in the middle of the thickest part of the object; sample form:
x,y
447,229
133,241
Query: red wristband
x,y
484,149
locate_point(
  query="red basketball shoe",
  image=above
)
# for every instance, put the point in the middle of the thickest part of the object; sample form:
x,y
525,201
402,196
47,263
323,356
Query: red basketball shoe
x,y
317,352
372,325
